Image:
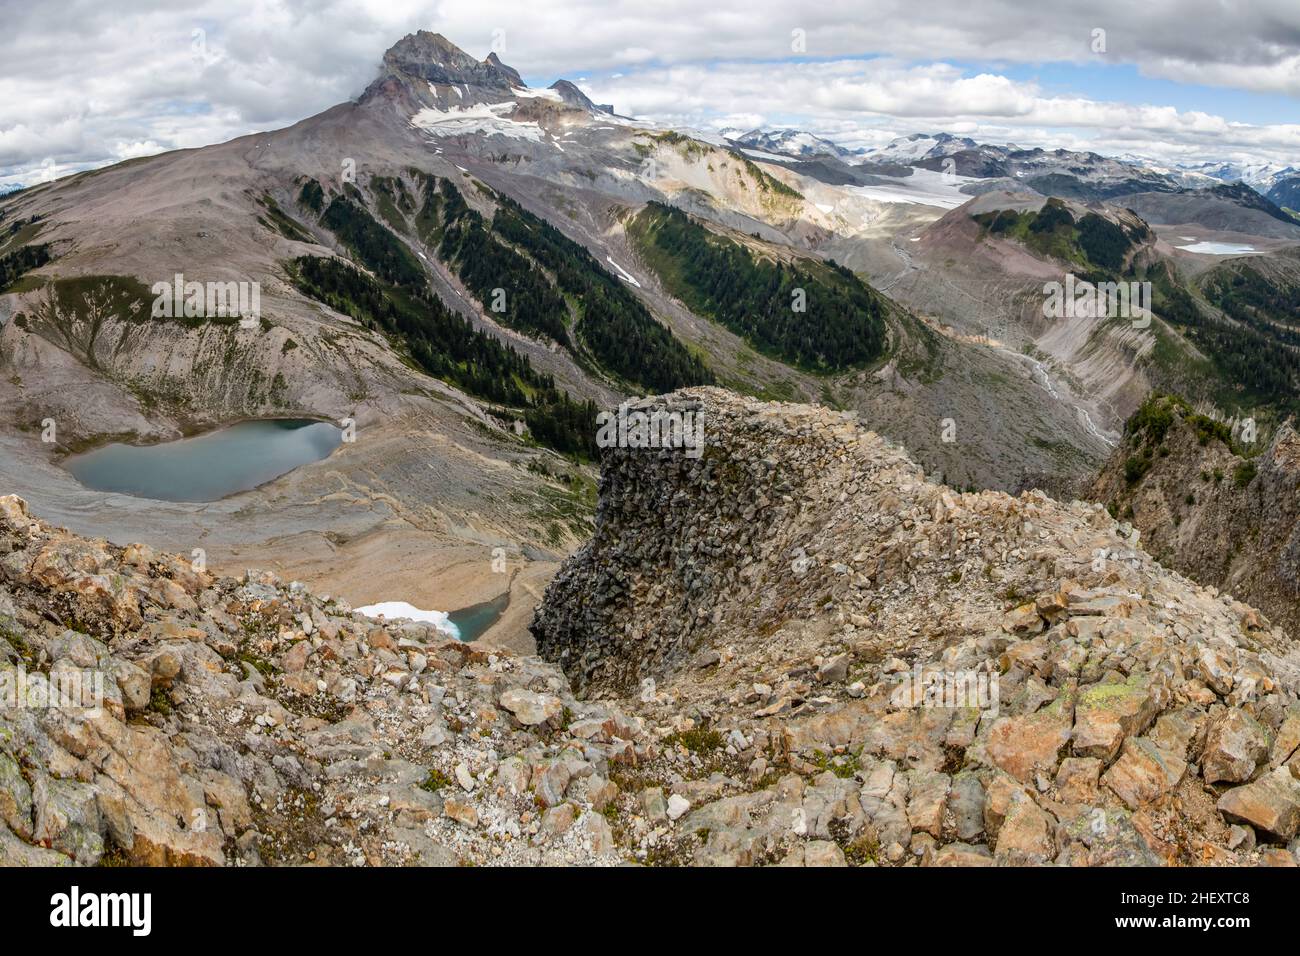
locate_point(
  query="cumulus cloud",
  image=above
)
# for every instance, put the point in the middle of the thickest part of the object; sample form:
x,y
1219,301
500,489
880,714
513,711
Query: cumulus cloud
x,y
867,103
87,82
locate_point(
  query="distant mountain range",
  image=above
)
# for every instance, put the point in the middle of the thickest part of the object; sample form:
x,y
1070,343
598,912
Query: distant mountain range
x,y
789,142
1052,172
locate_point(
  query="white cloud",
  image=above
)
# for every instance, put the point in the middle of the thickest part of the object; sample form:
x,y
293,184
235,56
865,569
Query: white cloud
x,y
84,77
867,103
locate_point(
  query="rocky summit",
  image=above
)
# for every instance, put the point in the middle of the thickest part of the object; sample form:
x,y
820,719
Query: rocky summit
x,y
866,666
791,649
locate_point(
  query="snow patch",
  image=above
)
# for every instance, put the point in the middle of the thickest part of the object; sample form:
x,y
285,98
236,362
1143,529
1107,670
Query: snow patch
x,y
526,93
1221,249
770,157
924,187
623,273
486,119
400,610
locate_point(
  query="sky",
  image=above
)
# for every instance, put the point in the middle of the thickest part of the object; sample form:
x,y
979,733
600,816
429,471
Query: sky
x,y
85,83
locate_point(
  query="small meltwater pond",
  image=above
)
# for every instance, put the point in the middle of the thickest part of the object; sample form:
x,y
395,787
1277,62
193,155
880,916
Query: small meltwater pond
x,y
467,624
474,621
208,467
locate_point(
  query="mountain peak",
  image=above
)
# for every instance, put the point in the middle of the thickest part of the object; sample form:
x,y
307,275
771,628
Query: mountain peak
x,y
574,97
434,58
494,61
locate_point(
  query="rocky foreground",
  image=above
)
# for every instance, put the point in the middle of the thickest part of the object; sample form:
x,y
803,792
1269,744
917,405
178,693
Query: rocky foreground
x,y
756,637
248,722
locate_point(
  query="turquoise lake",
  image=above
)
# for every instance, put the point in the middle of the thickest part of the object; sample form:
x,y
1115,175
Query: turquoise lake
x,y
208,467
472,622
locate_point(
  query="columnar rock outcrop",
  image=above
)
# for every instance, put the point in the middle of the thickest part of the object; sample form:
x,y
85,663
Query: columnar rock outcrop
x,y
676,533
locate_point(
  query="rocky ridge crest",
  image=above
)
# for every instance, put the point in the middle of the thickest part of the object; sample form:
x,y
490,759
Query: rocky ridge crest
x,y
803,585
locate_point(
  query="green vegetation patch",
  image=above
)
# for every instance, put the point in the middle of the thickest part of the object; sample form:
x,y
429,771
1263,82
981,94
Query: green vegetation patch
x,y
1252,348
14,264
279,221
612,322
766,181
312,196
447,346
373,245
842,322
1093,242
535,279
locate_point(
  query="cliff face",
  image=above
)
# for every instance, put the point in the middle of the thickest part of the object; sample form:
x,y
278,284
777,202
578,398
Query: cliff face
x,y
1202,508
679,538
977,678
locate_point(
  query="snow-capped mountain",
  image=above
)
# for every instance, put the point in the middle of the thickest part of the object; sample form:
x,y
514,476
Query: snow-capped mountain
x,y
1259,176
1075,174
919,146
1286,192
1051,170
788,142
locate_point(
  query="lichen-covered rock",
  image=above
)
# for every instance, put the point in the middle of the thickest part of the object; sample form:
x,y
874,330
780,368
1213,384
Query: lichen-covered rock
x,y
1235,745
1107,712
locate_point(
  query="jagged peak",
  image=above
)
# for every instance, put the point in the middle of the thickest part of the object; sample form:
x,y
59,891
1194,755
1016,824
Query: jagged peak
x,y
494,61
426,69
574,97
424,46
435,59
